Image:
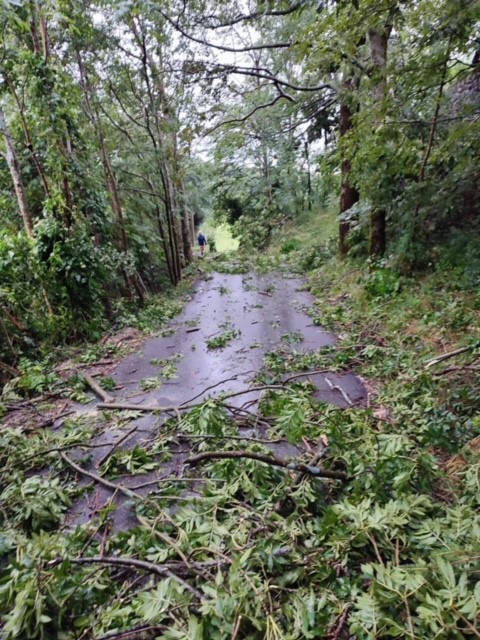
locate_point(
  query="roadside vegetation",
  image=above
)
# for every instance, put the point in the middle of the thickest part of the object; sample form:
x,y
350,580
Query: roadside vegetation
x,y
387,547
341,146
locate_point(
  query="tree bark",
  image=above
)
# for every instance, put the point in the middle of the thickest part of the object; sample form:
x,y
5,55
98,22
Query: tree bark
x,y
379,49
349,194
309,176
164,150
187,243
28,137
191,221
110,177
15,172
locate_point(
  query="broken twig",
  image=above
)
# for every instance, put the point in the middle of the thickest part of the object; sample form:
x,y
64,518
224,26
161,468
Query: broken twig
x,y
267,459
336,387
111,485
101,393
151,567
133,407
144,632
124,437
450,354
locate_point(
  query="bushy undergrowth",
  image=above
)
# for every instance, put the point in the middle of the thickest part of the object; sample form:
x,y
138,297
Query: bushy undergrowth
x,y
33,377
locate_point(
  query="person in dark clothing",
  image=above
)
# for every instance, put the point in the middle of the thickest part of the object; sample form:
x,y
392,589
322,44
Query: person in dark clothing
x,y
202,243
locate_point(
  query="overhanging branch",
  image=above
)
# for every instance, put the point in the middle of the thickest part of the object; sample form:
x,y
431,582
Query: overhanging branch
x,y
253,16
238,121
189,36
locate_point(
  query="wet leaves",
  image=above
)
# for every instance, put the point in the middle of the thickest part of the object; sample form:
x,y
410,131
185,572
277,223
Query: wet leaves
x,y
169,366
134,461
221,341
150,383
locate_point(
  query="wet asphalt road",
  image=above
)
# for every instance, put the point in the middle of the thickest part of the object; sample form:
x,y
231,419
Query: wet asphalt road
x,y
264,312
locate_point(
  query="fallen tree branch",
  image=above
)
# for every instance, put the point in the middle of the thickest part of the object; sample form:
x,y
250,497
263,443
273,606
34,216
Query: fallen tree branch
x,y
320,452
340,623
146,407
114,446
101,393
467,367
145,632
151,567
450,354
133,407
336,387
46,452
267,459
213,386
265,387
316,372
93,476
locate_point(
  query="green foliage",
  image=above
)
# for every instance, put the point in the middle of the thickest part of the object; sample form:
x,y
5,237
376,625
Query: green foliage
x,y
150,383
153,316
292,244
71,267
35,503
292,414
221,341
169,366
35,379
292,338
209,418
382,282
108,383
134,461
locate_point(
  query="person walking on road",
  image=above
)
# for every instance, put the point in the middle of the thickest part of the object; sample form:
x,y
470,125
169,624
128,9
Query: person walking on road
x,y
202,243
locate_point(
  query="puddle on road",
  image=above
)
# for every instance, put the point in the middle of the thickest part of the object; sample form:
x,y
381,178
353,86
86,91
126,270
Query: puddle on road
x,y
263,312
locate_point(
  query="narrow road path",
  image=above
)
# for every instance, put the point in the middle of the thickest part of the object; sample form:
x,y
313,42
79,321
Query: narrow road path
x,y
254,314
265,312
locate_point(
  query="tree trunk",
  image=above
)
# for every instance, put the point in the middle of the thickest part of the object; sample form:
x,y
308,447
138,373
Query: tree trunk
x,y
378,49
309,176
14,167
164,149
187,243
131,282
166,247
349,194
28,137
34,28
191,220
172,222
185,216
348,197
